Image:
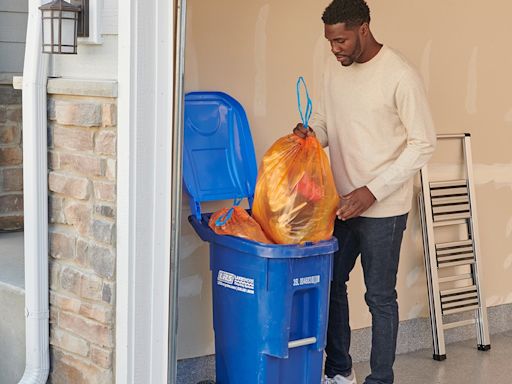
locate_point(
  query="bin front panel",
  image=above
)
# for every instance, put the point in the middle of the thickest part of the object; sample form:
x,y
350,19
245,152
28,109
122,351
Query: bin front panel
x,y
260,305
304,284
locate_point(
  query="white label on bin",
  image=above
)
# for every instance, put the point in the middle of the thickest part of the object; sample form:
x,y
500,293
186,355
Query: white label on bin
x,y
237,283
306,280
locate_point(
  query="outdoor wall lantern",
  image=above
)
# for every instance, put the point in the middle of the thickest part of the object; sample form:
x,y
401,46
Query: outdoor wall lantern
x,y
62,23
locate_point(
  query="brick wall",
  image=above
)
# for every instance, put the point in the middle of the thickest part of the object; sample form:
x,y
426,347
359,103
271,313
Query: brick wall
x,y
11,159
82,210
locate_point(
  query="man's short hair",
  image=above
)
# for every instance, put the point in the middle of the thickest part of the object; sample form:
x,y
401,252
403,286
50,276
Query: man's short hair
x,y
351,12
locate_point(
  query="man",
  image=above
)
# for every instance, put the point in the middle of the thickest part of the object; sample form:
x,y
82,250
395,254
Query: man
x,y
373,113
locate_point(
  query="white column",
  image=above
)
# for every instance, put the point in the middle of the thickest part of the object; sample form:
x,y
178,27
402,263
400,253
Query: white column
x,y
145,75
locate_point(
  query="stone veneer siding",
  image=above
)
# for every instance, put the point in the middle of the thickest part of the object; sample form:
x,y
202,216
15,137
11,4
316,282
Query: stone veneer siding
x,y
11,157
82,244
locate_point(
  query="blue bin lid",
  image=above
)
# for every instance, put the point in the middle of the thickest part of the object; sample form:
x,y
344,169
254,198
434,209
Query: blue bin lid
x,y
218,155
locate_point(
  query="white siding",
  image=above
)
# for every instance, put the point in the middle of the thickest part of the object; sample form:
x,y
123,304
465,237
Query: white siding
x,y
91,62
13,27
11,57
14,6
110,17
94,61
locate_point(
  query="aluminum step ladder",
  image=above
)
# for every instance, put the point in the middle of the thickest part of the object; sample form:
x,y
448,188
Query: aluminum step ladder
x,y
452,266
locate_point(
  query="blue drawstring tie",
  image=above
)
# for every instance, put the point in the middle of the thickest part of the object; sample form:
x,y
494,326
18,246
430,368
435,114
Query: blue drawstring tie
x,y
309,105
222,219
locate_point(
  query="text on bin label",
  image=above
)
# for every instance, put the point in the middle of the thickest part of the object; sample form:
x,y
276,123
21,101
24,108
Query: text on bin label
x,y
237,283
306,280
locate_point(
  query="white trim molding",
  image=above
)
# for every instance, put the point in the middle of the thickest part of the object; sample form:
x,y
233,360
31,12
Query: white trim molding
x,y
95,27
145,114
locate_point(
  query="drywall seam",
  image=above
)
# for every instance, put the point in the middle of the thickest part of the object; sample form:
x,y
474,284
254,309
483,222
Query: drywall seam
x,y
260,54
425,64
472,90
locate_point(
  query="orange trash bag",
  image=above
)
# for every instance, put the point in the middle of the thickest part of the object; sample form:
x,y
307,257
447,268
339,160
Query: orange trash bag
x,y
295,199
235,221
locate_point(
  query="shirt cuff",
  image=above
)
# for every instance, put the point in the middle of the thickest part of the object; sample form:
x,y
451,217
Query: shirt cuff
x,y
378,187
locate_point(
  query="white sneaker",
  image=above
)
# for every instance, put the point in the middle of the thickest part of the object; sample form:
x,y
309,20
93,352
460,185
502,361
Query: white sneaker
x,y
338,379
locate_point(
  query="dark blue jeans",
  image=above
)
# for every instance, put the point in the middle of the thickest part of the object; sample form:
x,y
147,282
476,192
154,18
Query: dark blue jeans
x,y
378,240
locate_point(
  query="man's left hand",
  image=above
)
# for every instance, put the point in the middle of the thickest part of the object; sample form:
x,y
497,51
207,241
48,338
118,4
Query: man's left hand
x,y
355,203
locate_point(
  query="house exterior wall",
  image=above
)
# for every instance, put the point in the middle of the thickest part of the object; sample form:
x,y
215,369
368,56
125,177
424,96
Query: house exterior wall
x,y
82,154
82,242
256,50
11,157
93,61
13,28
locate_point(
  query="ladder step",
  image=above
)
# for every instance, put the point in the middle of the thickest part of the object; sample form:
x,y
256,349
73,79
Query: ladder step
x,y
450,200
454,244
463,256
450,208
461,323
452,216
458,310
448,279
460,304
464,296
454,251
453,291
449,222
448,192
456,263
448,183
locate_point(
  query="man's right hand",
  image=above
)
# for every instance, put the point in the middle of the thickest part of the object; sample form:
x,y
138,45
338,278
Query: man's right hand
x,y
302,132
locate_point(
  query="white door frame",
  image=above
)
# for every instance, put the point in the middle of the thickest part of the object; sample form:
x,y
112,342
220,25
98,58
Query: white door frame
x,y
145,110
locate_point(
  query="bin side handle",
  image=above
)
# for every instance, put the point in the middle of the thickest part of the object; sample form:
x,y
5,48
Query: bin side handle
x,y
301,342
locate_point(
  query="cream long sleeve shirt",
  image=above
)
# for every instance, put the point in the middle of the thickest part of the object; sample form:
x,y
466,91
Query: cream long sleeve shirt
x,y
376,120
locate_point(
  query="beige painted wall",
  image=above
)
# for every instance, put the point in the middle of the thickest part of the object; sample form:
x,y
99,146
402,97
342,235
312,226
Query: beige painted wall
x,y
255,50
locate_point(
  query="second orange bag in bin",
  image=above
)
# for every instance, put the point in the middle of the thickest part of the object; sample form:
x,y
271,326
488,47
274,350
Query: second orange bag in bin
x,y
295,199
235,221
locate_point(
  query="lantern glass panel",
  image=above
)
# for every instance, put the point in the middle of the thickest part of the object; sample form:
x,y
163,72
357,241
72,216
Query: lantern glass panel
x,y
47,28
67,49
68,28
56,33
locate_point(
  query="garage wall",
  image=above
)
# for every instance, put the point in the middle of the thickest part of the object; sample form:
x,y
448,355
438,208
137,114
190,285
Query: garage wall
x,y
255,51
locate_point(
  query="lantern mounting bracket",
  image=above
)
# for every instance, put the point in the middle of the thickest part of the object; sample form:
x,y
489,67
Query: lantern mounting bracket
x,y
83,17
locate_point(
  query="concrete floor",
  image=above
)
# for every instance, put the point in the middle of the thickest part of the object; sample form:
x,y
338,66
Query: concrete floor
x,y
11,259
464,364
12,308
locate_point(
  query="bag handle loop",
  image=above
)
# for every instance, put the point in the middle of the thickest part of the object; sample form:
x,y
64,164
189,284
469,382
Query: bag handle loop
x,y
309,105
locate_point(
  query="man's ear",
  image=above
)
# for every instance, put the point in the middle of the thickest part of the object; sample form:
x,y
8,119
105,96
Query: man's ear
x,y
364,29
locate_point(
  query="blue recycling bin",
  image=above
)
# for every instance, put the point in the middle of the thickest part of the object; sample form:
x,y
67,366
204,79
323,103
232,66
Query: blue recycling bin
x,y
270,302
